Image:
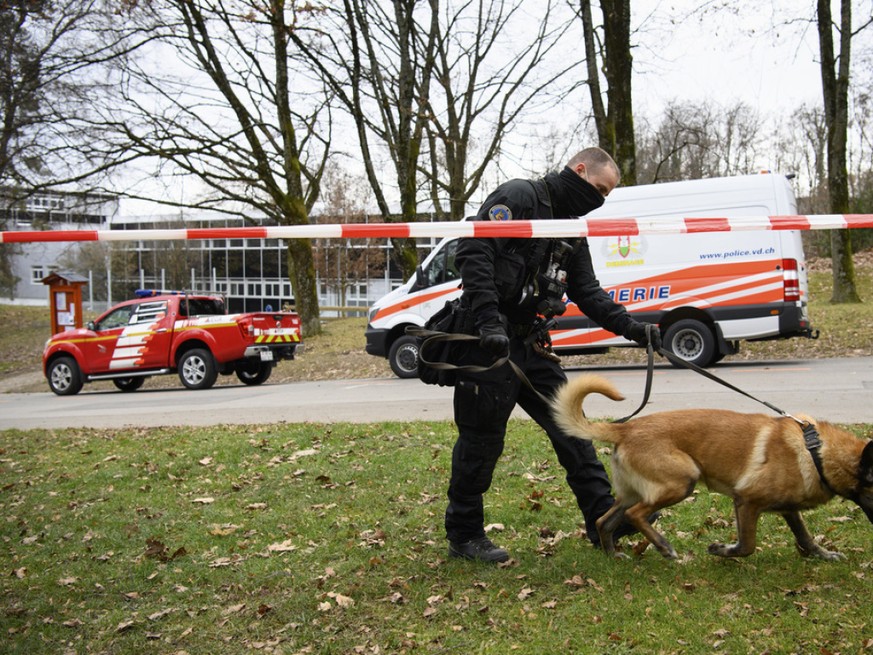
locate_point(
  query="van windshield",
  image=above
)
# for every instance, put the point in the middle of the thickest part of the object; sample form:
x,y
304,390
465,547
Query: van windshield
x,y
442,267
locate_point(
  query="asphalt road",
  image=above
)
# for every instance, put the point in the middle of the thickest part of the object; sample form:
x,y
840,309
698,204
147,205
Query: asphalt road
x,y
839,390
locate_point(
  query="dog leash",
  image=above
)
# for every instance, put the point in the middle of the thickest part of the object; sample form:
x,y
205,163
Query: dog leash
x,y
433,337
702,371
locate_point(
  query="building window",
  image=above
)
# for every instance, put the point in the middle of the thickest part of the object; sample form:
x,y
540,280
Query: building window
x,y
39,271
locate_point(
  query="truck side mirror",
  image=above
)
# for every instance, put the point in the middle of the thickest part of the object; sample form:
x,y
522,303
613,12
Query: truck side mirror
x,y
90,325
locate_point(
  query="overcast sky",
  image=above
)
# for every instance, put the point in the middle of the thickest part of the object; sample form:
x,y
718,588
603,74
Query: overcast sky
x,y
757,56
763,54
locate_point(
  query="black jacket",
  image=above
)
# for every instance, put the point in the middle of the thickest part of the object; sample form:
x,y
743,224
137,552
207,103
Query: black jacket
x,y
495,271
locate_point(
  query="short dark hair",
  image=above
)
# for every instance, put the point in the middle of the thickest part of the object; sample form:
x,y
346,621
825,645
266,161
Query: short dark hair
x,y
595,159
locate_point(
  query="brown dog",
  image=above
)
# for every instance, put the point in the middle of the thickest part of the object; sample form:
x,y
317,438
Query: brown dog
x,y
762,462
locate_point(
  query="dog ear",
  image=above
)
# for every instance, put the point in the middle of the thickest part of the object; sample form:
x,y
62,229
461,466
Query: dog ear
x,y
865,468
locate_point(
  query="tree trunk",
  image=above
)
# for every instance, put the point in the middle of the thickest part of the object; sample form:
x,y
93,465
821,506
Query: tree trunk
x,y
835,91
301,272
618,65
615,122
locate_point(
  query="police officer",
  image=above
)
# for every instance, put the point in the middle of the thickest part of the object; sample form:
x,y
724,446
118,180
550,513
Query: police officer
x,y
512,286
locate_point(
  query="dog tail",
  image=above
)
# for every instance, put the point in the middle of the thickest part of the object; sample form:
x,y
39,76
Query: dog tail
x,y
567,407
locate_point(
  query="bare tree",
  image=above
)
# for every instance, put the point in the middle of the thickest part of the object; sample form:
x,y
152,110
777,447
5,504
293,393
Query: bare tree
x,y
485,82
699,140
615,120
835,91
51,52
378,59
232,114
342,264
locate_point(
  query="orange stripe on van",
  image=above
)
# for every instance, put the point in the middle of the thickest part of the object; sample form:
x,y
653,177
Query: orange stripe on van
x,y
411,301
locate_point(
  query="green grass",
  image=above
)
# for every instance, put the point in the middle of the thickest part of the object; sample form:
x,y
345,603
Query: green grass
x,y
308,538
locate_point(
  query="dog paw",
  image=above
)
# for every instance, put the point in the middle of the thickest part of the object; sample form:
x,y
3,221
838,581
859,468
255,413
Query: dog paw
x,y
829,555
725,550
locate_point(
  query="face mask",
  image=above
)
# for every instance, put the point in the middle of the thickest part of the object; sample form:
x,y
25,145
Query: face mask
x,y
579,196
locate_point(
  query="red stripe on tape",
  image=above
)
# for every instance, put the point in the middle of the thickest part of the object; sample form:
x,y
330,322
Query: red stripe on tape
x,y
227,233
859,220
789,222
364,230
705,224
512,229
50,235
627,226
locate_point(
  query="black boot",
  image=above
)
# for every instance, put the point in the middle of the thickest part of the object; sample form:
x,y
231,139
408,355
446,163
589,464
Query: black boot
x,y
480,549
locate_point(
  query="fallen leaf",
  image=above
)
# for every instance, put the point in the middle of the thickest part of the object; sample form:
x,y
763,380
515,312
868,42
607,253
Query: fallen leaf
x,y
223,530
284,547
161,614
525,593
206,500
234,609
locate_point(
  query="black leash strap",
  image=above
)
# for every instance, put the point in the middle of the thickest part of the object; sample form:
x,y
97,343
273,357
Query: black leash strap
x,y
650,373
694,367
431,337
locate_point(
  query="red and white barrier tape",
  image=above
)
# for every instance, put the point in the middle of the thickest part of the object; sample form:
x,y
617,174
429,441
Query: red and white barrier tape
x,y
583,227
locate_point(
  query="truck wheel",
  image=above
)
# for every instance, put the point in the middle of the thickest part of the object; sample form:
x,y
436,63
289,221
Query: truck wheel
x,y
254,373
403,357
129,384
691,340
65,377
197,369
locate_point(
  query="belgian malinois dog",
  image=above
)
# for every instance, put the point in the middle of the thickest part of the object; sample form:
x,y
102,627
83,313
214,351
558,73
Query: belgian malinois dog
x,y
762,462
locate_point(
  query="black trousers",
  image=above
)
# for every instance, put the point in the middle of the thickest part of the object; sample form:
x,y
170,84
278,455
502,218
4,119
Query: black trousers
x,y
483,403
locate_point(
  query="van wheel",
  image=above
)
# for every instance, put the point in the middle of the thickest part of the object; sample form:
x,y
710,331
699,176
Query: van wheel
x,y
403,357
65,377
129,384
691,340
197,369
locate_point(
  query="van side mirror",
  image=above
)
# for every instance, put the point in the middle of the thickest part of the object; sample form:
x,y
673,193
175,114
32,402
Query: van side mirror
x,y
419,279
90,325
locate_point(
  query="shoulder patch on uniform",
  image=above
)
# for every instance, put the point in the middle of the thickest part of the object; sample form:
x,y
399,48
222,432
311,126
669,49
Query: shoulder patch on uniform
x,y
500,213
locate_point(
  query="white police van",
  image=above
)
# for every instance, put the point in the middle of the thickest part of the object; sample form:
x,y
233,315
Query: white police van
x,y
707,291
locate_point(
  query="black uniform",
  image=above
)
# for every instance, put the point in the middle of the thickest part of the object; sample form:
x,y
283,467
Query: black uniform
x,y
508,282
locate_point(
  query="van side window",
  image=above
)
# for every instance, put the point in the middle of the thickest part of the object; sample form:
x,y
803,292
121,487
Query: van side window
x,y
442,268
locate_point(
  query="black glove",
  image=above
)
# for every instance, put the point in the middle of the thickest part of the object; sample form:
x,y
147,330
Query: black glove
x,y
636,331
493,339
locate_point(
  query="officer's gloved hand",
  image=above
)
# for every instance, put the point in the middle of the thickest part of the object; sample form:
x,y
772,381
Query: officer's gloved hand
x,y
493,339
636,331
